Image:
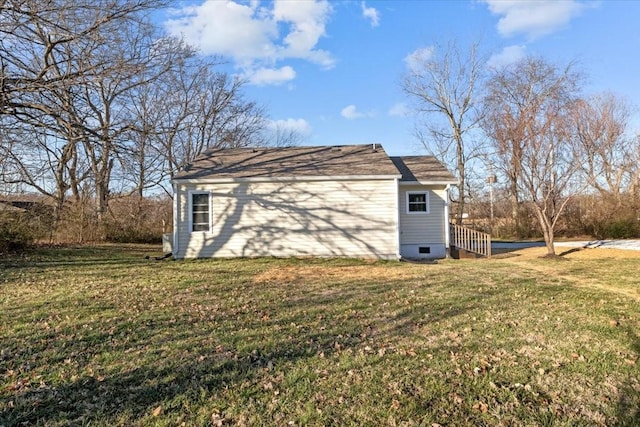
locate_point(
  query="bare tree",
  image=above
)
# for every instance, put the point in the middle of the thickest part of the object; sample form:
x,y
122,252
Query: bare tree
x,y
36,36
608,159
94,102
505,125
605,152
278,135
134,59
142,165
189,109
444,83
634,170
528,120
49,50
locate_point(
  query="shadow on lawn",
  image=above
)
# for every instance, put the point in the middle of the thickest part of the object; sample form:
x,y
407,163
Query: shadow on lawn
x,y
628,409
77,257
331,321
74,262
190,372
130,395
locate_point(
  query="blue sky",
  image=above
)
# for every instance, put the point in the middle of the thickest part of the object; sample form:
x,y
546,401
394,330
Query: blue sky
x,y
333,69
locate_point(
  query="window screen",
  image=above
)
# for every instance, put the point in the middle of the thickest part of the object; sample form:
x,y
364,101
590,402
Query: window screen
x,y
417,202
200,212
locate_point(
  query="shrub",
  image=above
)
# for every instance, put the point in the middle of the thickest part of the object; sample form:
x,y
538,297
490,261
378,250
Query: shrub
x,y
133,219
119,233
16,232
78,223
622,229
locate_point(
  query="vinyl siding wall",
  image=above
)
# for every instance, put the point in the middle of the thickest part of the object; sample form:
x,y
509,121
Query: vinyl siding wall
x,y
419,229
318,218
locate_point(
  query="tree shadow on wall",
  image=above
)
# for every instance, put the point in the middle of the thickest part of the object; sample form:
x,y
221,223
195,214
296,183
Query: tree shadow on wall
x,y
249,222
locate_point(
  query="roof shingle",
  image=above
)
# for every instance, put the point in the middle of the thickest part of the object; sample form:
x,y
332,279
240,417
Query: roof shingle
x,y
347,160
423,169
326,161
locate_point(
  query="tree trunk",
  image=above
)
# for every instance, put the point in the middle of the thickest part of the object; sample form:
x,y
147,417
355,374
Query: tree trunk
x,y
516,209
102,198
461,204
547,231
549,242
463,178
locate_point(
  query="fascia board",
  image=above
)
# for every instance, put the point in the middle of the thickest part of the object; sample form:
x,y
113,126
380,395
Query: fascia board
x,y
283,179
444,182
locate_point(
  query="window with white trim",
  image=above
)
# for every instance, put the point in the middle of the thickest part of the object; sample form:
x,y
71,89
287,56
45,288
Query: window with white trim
x,y
200,212
417,202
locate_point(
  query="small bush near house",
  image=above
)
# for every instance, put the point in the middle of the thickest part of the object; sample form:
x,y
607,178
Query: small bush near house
x,y
133,219
16,232
129,219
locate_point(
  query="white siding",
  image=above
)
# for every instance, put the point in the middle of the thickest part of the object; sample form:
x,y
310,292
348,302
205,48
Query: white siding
x,y
319,218
423,230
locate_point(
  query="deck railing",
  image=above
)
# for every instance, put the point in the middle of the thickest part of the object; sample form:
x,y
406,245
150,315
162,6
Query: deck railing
x,y
470,240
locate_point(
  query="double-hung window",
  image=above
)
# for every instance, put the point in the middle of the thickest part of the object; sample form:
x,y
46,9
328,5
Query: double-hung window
x,y
417,202
200,212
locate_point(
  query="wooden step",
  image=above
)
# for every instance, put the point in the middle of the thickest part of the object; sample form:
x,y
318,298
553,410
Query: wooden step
x,y
458,253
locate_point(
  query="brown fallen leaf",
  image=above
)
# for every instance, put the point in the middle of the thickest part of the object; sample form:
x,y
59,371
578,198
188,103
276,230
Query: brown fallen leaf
x,y
156,412
217,420
481,406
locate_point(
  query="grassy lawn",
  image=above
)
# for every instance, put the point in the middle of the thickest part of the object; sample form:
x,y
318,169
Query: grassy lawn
x,y
100,336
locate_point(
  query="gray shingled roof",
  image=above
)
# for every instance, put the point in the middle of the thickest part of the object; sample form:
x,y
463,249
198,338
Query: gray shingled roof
x,y
348,160
326,161
423,168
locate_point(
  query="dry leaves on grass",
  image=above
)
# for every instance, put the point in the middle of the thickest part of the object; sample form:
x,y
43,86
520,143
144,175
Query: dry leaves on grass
x,y
585,268
320,273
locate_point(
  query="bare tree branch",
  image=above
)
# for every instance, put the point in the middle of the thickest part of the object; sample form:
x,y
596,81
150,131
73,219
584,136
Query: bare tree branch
x,y
444,86
528,121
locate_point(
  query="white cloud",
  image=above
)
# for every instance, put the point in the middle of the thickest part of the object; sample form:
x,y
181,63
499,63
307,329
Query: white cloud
x,y
509,55
226,28
300,126
271,76
256,35
399,110
372,14
351,112
307,20
418,57
534,18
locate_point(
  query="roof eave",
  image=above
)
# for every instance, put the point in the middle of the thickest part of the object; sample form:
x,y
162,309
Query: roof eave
x,y
230,180
435,182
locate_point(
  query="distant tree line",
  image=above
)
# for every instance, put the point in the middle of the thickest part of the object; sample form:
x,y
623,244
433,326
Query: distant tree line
x,y
97,104
560,161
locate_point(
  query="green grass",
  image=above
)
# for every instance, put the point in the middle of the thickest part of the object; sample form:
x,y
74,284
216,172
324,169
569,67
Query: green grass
x,y
100,336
